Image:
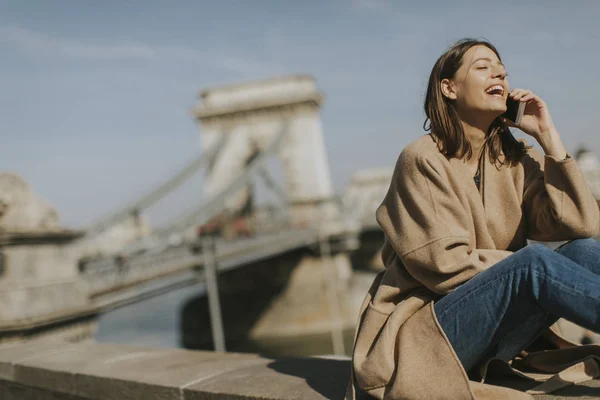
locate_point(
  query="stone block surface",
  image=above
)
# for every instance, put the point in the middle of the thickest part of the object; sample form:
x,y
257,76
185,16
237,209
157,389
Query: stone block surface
x,y
290,378
11,355
54,370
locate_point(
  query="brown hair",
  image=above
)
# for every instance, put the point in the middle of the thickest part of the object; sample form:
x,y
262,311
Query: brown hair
x,y
444,123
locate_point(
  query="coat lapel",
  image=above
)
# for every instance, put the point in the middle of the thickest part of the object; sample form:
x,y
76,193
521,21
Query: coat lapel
x,y
503,206
478,200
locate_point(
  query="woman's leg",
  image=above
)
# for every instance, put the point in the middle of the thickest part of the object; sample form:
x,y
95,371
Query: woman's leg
x,y
585,252
510,303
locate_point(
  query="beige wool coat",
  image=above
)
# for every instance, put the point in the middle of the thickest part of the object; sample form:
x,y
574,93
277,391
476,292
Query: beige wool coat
x,y
440,231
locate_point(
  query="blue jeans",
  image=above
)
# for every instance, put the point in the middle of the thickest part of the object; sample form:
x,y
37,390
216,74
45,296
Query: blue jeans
x,y
503,309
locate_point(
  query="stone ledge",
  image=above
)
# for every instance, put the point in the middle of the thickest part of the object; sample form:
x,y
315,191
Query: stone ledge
x,y
100,371
15,237
55,370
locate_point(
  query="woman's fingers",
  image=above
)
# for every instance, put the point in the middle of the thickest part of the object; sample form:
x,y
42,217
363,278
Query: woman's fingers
x,y
536,118
516,93
523,95
519,94
528,97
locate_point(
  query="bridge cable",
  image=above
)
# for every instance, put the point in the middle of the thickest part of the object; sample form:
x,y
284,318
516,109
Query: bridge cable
x,y
204,159
211,207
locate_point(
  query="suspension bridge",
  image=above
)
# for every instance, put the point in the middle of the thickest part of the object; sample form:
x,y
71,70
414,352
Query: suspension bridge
x,y
244,127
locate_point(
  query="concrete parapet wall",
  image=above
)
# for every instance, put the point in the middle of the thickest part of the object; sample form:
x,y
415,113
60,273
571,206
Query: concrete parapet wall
x,y
51,370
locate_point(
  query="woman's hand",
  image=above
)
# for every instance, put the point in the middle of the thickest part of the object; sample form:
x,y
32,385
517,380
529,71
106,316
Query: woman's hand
x,y
536,120
537,123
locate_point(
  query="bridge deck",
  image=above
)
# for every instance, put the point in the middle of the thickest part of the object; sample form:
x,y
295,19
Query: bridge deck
x,y
111,283
52,370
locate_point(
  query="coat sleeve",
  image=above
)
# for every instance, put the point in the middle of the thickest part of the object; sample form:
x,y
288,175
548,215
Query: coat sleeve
x,y
557,202
427,226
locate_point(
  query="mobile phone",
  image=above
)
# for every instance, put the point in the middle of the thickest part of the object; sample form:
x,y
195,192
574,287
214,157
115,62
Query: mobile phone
x,y
514,110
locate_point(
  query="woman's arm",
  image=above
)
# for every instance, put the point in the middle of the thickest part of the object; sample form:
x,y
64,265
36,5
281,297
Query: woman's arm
x,y
552,145
558,202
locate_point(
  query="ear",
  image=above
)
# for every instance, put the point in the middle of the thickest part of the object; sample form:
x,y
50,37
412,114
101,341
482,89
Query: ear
x,y
448,89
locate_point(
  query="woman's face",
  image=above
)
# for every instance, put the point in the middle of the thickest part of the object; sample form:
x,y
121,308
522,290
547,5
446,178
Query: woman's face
x,y
480,84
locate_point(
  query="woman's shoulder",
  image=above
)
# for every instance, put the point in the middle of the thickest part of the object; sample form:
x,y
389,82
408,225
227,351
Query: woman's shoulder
x,y
424,148
417,159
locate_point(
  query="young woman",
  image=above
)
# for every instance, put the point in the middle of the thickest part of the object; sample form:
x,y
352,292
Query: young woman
x,y
461,285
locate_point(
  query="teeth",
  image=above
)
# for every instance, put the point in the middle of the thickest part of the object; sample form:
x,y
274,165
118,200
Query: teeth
x,y
495,87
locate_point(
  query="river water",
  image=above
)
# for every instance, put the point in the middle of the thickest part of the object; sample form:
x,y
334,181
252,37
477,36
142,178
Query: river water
x,y
156,323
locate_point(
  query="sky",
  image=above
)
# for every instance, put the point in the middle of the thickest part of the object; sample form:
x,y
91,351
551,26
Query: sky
x,y
96,97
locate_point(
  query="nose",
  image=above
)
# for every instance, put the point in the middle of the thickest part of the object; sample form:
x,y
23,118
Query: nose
x,y
499,72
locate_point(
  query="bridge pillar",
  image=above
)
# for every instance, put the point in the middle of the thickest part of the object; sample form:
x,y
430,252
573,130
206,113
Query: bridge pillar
x,y
298,303
252,114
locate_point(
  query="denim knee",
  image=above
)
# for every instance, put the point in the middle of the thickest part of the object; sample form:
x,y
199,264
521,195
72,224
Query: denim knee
x,y
537,257
536,249
578,245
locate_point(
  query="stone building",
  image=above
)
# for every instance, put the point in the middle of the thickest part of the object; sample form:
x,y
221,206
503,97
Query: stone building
x,y
39,282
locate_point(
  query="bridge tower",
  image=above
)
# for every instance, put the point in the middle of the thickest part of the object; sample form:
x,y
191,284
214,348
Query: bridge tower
x,y
251,115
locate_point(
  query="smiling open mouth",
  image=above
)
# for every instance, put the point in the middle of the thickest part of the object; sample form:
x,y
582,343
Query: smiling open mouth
x,y
496,90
